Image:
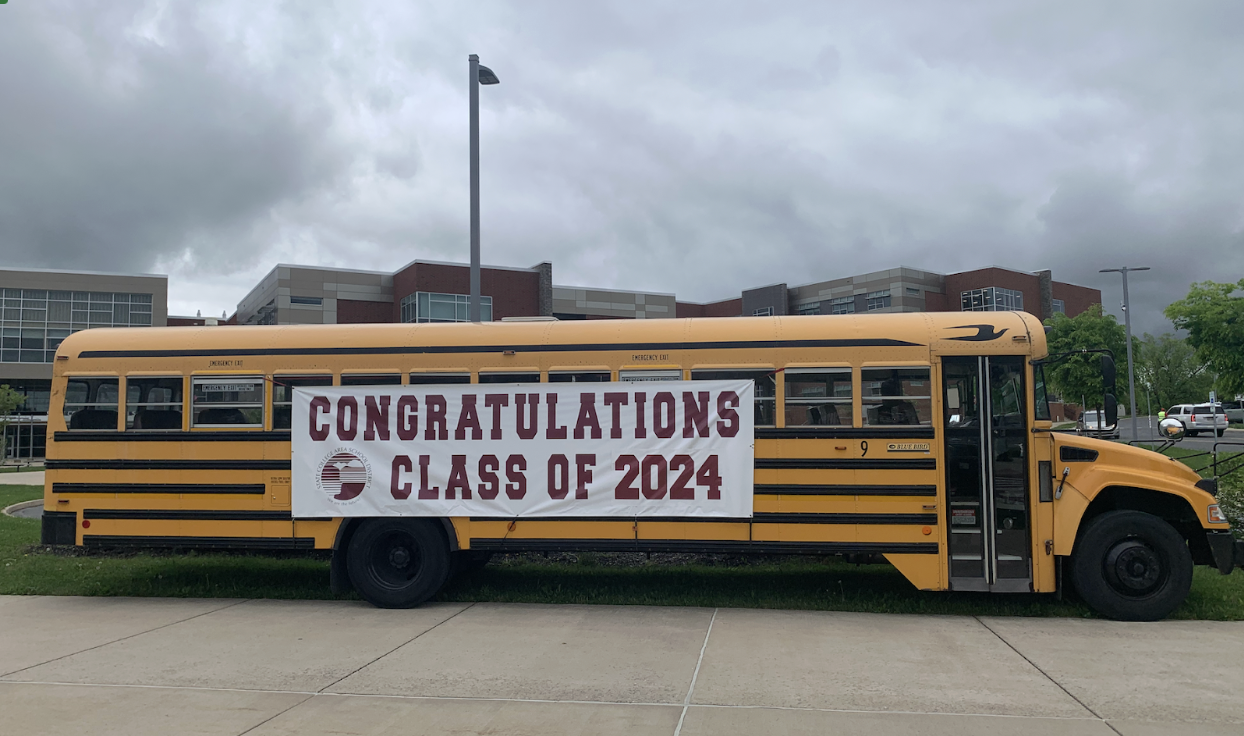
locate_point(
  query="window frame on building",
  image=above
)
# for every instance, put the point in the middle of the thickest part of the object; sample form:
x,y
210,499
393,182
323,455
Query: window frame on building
x,y
879,299
842,305
413,307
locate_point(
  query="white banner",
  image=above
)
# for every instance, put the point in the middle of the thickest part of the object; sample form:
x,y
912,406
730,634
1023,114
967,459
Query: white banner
x,y
670,448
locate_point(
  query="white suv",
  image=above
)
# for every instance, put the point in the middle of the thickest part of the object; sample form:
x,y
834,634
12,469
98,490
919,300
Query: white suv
x,y
1198,418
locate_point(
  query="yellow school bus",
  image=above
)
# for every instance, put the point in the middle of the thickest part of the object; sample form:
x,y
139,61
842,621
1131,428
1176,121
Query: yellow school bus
x,y
923,438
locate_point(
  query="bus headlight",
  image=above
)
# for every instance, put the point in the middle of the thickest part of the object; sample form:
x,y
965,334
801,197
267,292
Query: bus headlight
x,y
1215,515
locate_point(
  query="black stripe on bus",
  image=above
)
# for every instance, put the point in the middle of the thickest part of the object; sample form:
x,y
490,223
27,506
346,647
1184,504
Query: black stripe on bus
x,y
272,543
510,544
256,489
805,463
187,515
757,518
167,464
868,342
843,490
845,433
174,436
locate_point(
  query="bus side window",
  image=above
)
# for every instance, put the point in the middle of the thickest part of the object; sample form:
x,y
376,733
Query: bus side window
x,y
818,397
896,396
371,379
436,379
91,403
579,376
227,401
153,403
283,396
509,377
765,392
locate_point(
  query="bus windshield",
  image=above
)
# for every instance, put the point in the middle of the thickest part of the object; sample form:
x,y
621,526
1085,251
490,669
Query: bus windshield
x,y
1040,400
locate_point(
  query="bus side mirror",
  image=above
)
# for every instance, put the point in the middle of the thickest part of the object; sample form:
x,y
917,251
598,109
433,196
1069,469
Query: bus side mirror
x,y
1112,410
1171,429
1107,373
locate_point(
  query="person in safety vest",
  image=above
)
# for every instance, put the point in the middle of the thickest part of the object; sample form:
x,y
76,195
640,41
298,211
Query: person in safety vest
x,y
1161,414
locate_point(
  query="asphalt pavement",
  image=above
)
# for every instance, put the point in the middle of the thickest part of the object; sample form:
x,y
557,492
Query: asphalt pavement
x,y
263,668
1147,429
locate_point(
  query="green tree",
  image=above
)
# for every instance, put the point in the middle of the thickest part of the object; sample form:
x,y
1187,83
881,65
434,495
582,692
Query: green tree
x,y
9,400
1214,319
1079,378
1170,372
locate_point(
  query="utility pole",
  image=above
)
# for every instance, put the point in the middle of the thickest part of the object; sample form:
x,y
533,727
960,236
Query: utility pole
x,y
1127,322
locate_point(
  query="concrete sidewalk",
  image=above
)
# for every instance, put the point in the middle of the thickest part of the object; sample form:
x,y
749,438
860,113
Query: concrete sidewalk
x,y
25,478
165,666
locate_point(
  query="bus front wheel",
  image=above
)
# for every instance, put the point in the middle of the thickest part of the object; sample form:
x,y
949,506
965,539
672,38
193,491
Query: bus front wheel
x,y
1132,566
397,563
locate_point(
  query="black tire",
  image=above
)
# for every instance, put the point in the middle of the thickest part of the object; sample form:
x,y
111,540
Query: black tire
x,y
1132,566
398,563
1221,432
1192,433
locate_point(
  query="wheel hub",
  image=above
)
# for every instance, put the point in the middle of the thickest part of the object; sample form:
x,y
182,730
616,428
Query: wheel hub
x,y
399,557
1134,568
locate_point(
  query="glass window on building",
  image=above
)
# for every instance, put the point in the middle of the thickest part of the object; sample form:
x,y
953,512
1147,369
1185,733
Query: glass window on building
x,y
818,397
765,393
842,305
896,396
763,312
33,322
809,309
426,306
912,292
878,299
1060,307
992,299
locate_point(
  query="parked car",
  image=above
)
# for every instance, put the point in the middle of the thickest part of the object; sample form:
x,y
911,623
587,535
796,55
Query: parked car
x,y
1092,423
1234,410
1198,418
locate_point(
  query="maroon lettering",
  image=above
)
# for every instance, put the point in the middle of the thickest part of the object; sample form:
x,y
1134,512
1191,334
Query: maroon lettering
x,y
587,418
559,466
626,490
554,432
400,490
468,419
680,491
490,484
531,403
407,418
319,405
458,480
727,410
495,402
641,399
695,414
583,465
708,476
615,400
514,467
377,419
424,491
663,419
435,429
652,476
347,418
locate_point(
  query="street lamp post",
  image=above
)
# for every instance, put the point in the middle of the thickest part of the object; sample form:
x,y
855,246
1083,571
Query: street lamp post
x,y
1127,322
479,75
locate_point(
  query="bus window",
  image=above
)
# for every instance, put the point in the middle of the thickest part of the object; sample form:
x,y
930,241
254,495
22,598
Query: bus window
x,y
637,376
227,401
426,379
91,403
579,377
509,378
371,379
1042,400
896,396
818,397
283,396
765,392
153,403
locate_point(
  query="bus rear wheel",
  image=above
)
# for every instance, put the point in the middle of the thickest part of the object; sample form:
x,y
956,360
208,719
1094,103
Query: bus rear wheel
x,y
1132,566
397,563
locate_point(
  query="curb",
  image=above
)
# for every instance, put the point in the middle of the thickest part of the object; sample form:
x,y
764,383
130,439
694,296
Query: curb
x,y
10,510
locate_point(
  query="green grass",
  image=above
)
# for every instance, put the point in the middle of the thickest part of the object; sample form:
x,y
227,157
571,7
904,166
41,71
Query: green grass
x,y
788,583
21,468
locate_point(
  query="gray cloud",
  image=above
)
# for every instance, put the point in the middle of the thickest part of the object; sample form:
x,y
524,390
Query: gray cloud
x,y
699,148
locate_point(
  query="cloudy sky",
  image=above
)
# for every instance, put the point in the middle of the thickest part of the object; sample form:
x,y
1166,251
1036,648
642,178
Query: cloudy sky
x,y
696,147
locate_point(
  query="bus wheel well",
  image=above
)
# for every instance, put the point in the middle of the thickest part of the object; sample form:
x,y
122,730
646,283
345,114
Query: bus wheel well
x,y
339,576
1170,508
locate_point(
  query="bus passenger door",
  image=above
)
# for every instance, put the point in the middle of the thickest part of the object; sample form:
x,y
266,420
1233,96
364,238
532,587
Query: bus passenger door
x,y
986,473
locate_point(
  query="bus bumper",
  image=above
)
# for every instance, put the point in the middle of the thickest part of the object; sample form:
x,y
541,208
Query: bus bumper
x,y
61,527
1228,551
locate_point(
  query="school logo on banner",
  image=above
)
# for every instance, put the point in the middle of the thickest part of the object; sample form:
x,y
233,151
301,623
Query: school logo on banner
x,y
343,475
